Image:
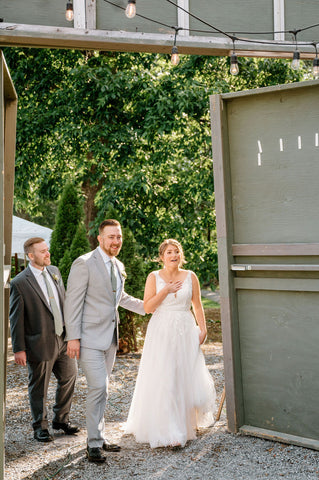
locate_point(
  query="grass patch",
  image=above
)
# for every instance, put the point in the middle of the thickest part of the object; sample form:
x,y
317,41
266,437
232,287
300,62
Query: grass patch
x,y
207,303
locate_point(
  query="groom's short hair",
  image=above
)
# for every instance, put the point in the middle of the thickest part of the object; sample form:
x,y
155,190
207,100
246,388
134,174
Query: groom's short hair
x,y
110,222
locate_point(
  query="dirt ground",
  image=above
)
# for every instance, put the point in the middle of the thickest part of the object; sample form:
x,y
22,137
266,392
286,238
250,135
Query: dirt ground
x,y
27,459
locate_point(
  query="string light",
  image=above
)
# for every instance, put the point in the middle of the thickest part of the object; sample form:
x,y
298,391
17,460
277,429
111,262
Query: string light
x,y
174,55
214,29
130,10
295,64
234,69
69,12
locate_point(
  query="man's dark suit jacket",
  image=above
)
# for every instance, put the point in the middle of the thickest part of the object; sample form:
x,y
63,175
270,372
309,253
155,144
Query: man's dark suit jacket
x,y
31,320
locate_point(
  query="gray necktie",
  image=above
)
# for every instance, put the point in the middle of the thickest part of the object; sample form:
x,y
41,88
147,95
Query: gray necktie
x,y
113,280
54,307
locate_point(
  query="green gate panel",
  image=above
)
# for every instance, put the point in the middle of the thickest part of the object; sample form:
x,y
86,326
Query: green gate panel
x,y
274,148
266,170
279,353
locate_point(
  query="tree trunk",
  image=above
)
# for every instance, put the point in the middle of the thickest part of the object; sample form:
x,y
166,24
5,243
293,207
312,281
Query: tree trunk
x,y
90,210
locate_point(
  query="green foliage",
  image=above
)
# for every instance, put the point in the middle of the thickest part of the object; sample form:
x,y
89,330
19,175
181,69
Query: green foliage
x,y
207,303
135,133
65,266
79,246
80,243
68,217
134,285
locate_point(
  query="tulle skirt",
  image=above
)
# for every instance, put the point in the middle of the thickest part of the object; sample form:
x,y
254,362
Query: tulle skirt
x,y
174,392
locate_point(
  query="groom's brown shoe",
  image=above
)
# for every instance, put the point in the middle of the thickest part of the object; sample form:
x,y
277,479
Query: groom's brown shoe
x,y
110,447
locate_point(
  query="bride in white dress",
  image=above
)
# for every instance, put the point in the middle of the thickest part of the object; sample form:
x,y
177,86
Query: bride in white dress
x,y
174,392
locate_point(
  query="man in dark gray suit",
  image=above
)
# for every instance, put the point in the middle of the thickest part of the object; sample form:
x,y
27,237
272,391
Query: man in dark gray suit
x,y
95,290
37,332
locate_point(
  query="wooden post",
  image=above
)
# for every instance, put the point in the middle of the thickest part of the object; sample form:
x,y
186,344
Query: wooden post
x,y
16,263
221,405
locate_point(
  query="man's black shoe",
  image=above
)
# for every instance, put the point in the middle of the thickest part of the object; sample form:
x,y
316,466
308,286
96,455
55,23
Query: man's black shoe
x,y
66,427
94,454
42,435
110,447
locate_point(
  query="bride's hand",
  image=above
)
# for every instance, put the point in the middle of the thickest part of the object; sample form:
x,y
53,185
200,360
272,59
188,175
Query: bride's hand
x,y
173,287
202,336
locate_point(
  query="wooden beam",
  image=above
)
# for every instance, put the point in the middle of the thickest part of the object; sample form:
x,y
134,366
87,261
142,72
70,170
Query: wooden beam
x,y
90,14
275,249
64,37
2,309
79,13
279,20
232,367
280,284
279,437
183,17
238,267
8,109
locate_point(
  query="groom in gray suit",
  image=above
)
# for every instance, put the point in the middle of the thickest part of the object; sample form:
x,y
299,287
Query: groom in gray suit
x,y
94,292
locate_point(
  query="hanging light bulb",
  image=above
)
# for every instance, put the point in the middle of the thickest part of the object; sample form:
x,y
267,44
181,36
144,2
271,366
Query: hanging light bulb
x,y
295,64
130,10
234,69
175,57
315,67
69,12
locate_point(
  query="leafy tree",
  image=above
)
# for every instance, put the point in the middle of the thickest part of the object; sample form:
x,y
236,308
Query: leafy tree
x,y
68,217
134,285
79,246
134,132
65,266
80,243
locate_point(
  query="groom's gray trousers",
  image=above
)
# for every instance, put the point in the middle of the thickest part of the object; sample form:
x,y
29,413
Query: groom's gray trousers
x,y
97,366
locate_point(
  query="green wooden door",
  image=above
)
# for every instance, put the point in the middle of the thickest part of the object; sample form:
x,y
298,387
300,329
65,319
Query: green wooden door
x,y
266,170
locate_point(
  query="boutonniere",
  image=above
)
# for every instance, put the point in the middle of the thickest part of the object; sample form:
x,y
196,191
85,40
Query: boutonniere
x,y
55,278
123,273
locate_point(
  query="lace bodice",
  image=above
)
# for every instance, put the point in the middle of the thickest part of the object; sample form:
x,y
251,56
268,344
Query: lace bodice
x,y
181,300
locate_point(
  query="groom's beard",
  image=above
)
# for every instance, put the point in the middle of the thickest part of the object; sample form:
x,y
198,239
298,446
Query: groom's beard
x,y
113,251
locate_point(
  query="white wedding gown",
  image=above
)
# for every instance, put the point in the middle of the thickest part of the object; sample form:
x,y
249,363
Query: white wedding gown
x,y
174,391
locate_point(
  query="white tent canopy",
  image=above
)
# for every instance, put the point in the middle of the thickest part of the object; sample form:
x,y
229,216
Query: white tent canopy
x,y
22,230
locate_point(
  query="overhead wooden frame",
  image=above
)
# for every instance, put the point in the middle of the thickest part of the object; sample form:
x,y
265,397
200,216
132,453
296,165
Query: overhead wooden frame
x,y
102,25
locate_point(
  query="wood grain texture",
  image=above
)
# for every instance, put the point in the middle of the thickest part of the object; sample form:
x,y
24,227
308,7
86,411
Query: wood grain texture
x,y
267,161
279,354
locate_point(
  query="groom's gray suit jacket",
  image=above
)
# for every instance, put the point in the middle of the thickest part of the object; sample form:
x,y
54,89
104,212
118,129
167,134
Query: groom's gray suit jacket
x,y
89,311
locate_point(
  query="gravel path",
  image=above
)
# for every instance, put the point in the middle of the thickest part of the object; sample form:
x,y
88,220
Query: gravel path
x,y
215,454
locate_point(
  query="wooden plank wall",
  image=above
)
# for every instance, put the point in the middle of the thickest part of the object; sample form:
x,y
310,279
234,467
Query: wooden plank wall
x,y
266,152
